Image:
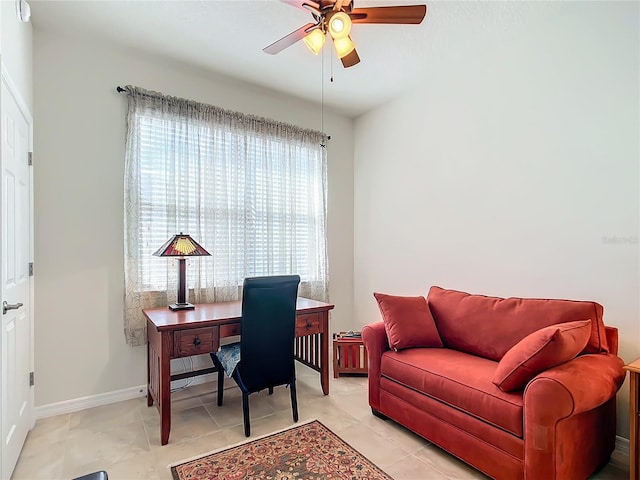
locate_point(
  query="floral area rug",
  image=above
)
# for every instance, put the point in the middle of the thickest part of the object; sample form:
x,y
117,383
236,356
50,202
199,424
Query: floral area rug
x,y
307,452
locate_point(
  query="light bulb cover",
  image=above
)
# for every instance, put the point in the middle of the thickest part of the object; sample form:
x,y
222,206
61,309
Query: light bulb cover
x,y
339,25
344,46
315,40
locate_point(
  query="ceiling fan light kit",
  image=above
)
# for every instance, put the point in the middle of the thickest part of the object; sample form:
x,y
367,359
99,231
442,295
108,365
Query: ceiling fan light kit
x,y
344,46
336,18
315,40
339,25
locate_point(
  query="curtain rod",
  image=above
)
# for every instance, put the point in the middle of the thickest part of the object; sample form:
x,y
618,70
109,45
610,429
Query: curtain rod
x,y
119,89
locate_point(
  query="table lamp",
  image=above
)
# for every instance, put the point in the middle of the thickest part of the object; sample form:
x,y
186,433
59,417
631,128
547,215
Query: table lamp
x,y
181,246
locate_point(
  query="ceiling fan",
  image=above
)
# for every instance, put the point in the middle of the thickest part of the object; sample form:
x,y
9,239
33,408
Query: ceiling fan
x,y
335,18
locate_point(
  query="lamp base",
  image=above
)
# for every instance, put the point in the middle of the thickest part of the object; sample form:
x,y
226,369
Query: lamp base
x,y
182,306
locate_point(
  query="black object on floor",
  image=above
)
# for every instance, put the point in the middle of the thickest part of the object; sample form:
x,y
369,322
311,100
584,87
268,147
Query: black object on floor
x,y
101,475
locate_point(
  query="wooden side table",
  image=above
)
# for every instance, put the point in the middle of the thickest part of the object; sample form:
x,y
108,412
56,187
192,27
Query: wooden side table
x,y
634,417
349,355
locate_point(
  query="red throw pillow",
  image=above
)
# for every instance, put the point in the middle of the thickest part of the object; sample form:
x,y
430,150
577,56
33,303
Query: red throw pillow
x,y
539,351
408,322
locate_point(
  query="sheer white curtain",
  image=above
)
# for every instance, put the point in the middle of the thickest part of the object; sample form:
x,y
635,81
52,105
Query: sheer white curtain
x,y
250,190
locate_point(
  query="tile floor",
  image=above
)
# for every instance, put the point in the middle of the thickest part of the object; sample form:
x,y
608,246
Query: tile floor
x,y
124,438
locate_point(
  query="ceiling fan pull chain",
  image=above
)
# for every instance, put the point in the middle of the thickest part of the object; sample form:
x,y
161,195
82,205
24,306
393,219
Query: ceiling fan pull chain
x,y
331,65
322,97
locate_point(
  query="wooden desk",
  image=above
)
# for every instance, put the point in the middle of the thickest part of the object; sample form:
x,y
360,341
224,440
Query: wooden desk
x,y
634,417
183,333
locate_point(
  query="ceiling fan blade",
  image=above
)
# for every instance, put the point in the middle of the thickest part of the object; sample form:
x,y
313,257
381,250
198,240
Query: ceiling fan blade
x,y
306,5
339,4
287,41
412,14
303,4
350,59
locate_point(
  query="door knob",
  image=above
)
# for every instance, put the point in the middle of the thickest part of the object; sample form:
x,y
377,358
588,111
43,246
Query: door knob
x,y
9,306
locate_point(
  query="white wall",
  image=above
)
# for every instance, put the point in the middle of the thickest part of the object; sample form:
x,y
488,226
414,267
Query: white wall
x,y
514,169
79,140
16,50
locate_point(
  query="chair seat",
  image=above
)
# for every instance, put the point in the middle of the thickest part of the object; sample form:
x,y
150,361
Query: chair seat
x,y
229,356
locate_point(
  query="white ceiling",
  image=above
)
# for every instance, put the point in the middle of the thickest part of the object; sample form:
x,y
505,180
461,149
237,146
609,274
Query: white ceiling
x,y
227,36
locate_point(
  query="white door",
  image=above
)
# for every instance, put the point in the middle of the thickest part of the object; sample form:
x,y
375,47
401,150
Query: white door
x,y
16,358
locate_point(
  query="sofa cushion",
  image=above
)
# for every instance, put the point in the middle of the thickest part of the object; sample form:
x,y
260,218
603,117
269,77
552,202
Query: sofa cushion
x,y
407,321
490,326
457,379
539,351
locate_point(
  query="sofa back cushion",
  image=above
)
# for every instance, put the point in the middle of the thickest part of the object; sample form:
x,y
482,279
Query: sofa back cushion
x,y
490,326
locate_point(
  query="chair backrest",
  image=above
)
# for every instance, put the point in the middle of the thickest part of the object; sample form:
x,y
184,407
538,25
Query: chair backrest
x,y
268,331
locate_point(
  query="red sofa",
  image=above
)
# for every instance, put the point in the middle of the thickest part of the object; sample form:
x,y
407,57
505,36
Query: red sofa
x,y
559,425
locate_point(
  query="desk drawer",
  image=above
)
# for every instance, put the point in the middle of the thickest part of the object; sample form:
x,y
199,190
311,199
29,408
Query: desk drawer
x,y
195,341
308,324
229,330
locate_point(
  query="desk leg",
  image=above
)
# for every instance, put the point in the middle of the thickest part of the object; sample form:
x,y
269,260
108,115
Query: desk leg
x,y
324,353
165,390
150,374
149,353
154,353
159,378
634,426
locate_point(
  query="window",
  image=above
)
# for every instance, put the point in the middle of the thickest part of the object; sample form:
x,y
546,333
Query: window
x,y
251,191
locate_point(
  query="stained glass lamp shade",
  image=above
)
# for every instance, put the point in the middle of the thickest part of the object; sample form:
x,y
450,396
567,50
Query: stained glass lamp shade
x,y
181,246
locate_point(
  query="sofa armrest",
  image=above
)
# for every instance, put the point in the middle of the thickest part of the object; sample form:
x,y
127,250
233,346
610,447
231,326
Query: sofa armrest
x,y
374,337
586,382
567,390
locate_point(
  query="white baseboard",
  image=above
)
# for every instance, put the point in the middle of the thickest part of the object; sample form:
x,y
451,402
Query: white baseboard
x,y
82,403
620,456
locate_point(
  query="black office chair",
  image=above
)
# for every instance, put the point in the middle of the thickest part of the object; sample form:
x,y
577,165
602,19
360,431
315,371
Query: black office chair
x,y
267,334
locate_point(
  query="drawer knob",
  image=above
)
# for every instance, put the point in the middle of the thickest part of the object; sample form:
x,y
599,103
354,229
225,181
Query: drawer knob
x,y
309,325
196,341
